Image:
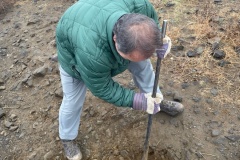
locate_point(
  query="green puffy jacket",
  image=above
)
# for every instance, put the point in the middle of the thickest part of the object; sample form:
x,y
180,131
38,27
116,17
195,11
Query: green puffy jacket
x,y
86,50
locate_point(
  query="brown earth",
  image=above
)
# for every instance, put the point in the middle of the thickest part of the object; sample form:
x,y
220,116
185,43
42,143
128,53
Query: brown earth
x,y
209,88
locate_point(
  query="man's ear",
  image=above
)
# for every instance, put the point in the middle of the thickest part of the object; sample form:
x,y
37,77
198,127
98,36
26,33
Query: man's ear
x,y
115,38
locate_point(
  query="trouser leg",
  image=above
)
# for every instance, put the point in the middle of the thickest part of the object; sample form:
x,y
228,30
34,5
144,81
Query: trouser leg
x,y
143,75
74,92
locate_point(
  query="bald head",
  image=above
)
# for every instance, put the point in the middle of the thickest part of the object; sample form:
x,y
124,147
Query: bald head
x,y
136,32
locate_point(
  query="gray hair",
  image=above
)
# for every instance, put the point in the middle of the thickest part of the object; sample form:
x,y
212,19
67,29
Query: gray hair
x,y
137,32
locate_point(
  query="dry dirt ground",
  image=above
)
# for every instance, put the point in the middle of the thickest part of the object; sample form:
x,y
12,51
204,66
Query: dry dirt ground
x,y
202,72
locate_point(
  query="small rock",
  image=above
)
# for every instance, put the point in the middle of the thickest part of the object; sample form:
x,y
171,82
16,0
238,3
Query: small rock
x,y
169,4
174,122
185,85
169,93
2,87
96,136
8,124
177,97
199,50
215,46
23,66
16,86
187,155
223,62
89,130
215,112
215,19
209,101
92,113
196,99
177,48
3,51
35,124
88,153
53,43
2,113
25,79
196,110
99,122
214,40
124,153
32,35
192,11
48,156
199,155
231,131
185,142
46,82
215,133
30,82
17,25
21,135
6,21
207,138
219,54
13,117
217,1
201,83
13,128
23,52
191,53
54,58
4,133
233,138
1,81
109,134
162,121
220,141
171,83
32,155
32,21
214,91
116,152
40,72
59,93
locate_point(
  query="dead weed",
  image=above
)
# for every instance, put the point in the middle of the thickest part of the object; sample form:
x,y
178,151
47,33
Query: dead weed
x,y
204,23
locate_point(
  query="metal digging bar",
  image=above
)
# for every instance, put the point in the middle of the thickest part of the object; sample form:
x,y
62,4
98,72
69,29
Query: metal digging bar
x,y
146,143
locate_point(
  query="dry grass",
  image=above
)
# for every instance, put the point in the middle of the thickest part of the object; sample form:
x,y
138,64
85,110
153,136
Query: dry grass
x,y
199,23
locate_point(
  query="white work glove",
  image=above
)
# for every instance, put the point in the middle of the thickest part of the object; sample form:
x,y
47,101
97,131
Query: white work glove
x,y
165,48
145,102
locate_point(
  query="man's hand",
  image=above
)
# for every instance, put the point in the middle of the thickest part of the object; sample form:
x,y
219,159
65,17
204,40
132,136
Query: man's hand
x,y
165,48
145,102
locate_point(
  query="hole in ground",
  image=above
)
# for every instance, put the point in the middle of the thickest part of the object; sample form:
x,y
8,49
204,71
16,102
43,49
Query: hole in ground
x,y
154,154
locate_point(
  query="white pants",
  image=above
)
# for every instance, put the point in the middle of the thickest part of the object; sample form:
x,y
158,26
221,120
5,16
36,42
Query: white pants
x,y
74,93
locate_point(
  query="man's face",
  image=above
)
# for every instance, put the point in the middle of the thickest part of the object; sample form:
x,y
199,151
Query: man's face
x,y
134,56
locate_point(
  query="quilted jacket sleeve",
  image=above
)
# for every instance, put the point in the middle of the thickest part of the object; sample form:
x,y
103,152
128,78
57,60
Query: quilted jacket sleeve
x,y
97,78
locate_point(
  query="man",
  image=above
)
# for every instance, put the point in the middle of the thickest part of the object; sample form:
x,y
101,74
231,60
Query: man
x,y
98,39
